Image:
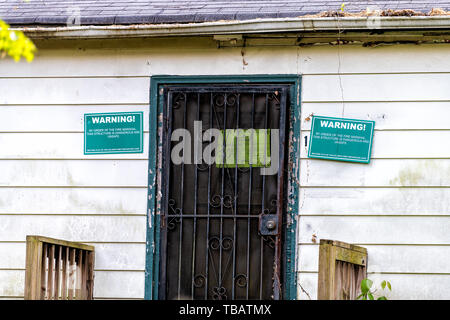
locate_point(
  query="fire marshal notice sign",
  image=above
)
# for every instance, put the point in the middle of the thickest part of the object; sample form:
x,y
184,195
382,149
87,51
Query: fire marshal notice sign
x,y
109,133
341,139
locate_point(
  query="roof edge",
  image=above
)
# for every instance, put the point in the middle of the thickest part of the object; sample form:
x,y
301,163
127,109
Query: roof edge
x,y
269,25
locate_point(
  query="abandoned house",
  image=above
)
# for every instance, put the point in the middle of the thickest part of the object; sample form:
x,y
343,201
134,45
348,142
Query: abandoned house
x,y
281,149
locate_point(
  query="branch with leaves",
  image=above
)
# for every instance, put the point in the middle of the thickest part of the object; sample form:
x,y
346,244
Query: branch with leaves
x,y
367,293
15,44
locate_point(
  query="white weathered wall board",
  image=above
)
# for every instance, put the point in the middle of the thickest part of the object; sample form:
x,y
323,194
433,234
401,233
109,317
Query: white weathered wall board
x,y
398,206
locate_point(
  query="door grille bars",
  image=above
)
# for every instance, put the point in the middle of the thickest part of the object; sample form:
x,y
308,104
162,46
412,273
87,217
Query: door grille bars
x,y
211,244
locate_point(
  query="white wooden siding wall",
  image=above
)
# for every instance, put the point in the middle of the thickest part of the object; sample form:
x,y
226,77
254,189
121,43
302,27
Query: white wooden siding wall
x,y
397,206
49,187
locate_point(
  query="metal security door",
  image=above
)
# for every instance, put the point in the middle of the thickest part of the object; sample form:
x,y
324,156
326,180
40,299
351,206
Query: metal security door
x,y
221,221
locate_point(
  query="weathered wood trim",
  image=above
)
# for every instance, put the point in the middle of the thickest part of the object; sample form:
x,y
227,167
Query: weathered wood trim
x,y
90,275
33,267
62,255
65,243
331,251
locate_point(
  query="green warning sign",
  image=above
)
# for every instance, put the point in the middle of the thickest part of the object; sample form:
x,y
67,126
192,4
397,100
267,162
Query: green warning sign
x,y
341,139
110,133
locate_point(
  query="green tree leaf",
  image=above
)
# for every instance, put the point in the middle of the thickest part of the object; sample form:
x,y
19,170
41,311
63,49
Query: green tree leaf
x,y
367,294
365,285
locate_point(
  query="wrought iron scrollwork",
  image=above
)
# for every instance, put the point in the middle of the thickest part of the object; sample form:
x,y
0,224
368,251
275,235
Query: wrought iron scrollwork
x,y
215,243
272,208
243,169
273,205
172,207
199,281
226,244
202,166
274,97
269,240
219,100
173,221
178,100
225,201
219,293
241,280
231,99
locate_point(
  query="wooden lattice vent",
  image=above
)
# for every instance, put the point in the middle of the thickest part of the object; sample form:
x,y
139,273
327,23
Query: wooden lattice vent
x,y
58,270
342,266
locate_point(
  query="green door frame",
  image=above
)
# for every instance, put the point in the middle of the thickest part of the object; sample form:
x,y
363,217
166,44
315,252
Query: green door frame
x,y
153,223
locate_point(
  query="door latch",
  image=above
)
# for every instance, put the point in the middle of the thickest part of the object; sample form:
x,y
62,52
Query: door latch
x,y
268,224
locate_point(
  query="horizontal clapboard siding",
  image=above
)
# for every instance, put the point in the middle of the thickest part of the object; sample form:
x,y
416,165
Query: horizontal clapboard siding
x,y
407,172
57,118
397,206
83,63
375,201
55,145
48,91
108,173
404,286
108,284
387,115
71,200
408,58
414,259
404,144
76,228
155,57
376,230
49,187
117,266
376,87
126,59
109,256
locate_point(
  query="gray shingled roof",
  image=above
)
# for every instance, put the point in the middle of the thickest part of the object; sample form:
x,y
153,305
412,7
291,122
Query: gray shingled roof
x,y
101,12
